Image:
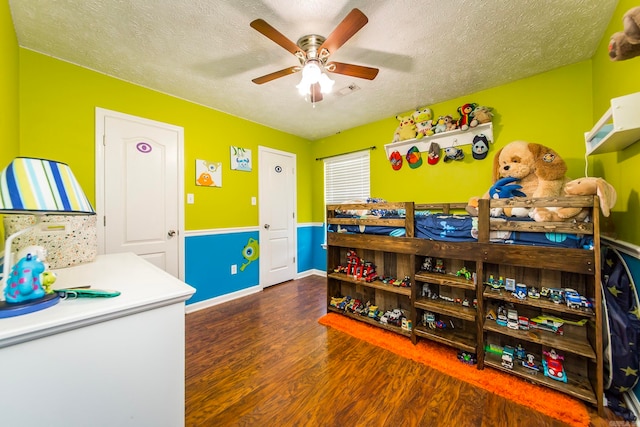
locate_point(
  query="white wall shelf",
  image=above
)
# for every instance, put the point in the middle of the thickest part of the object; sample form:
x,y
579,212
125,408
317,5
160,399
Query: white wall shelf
x,y
445,139
618,128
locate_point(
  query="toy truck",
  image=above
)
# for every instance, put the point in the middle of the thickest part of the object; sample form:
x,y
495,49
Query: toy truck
x,y
508,354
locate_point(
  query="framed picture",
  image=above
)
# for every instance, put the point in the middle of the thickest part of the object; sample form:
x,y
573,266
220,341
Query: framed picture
x,y
240,159
510,285
208,174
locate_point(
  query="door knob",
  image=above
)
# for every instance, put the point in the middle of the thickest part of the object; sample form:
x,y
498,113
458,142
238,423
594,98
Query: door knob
x,y
171,233
266,226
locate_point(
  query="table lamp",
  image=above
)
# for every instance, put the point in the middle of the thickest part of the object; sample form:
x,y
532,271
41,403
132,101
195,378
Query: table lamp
x,y
37,187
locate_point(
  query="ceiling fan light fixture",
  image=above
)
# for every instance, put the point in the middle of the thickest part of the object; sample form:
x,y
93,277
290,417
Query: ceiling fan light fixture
x,y
311,72
326,84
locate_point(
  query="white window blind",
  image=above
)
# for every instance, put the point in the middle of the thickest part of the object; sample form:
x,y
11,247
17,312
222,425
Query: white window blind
x,y
346,177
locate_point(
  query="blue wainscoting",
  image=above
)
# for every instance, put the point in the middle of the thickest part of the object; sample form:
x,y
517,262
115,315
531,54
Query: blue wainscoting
x,y
208,260
209,257
311,255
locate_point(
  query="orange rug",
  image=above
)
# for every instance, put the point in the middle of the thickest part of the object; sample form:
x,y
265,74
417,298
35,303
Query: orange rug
x,y
549,402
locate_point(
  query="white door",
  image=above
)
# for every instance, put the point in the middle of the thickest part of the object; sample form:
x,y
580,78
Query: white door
x,y
139,188
277,192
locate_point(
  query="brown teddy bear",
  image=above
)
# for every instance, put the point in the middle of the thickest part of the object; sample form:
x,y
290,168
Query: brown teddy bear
x,y
580,187
540,172
626,44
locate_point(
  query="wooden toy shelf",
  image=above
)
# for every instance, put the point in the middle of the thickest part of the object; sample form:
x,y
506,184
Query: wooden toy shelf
x,y
457,316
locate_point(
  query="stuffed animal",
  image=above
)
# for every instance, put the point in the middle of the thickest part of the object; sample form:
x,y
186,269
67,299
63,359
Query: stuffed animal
x,y
482,114
626,44
450,123
423,118
467,120
580,187
539,170
406,129
440,125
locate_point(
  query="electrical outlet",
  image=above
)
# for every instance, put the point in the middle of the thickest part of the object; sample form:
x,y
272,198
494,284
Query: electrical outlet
x,y
234,268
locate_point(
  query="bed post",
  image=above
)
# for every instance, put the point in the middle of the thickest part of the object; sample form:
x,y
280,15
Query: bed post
x,y
483,220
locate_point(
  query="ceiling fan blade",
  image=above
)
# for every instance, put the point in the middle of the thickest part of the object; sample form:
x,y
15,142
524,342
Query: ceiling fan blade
x,y
268,31
272,76
316,94
359,71
344,31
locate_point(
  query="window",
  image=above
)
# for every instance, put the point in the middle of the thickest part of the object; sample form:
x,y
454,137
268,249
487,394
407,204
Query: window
x,y
346,178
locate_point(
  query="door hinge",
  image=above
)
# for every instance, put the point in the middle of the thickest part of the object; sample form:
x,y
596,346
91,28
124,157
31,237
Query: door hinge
x,y
104,140
294,260
293,214
104,221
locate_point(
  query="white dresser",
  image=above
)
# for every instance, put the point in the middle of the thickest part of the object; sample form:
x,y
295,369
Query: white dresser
x,y
99,361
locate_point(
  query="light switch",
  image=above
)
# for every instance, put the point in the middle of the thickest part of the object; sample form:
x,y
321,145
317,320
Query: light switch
x,y
253,201
190,198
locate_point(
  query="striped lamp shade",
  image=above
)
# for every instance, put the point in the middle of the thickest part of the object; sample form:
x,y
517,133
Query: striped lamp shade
x,y
30,186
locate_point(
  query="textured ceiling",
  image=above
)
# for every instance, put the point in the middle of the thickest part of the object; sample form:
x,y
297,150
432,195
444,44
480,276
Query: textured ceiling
x,y
205,51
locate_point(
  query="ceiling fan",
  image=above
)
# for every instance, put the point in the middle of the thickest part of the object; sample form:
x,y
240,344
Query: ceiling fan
x,y
313,52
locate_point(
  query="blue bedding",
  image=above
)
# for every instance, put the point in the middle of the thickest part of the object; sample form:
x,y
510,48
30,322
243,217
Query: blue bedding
x,y
464,228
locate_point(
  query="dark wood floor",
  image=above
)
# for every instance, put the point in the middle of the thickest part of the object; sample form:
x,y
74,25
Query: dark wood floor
x,y
265,360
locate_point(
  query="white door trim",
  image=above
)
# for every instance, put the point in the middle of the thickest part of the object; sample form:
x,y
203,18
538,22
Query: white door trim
x,y
101,114
262,191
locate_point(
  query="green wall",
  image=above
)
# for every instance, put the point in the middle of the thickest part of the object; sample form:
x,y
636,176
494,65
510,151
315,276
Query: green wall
x,y
622,169
57,115
9,131
538,109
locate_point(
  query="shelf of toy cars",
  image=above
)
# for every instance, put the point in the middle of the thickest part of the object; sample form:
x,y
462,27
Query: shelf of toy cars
x,y
576,386
371,321
542,302
376,284
456,338
445,279
446,307
565,343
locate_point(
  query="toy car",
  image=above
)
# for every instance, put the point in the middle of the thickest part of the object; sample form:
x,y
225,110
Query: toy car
x,y
572,298
530,363
575,300
547,323
463,272
533,293
552,364
427,265
520,291
429,319
396,317
523,323
520,353
556,295
512,319
385,317
507,357
468,358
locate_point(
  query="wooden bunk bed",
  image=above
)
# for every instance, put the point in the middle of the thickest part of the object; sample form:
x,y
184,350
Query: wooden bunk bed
x,y
567,257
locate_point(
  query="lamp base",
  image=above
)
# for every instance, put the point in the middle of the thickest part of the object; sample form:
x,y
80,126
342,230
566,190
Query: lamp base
x,y
17,309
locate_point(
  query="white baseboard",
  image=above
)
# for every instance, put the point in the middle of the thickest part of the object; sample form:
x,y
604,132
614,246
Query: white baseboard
x,y
190,308
312,272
